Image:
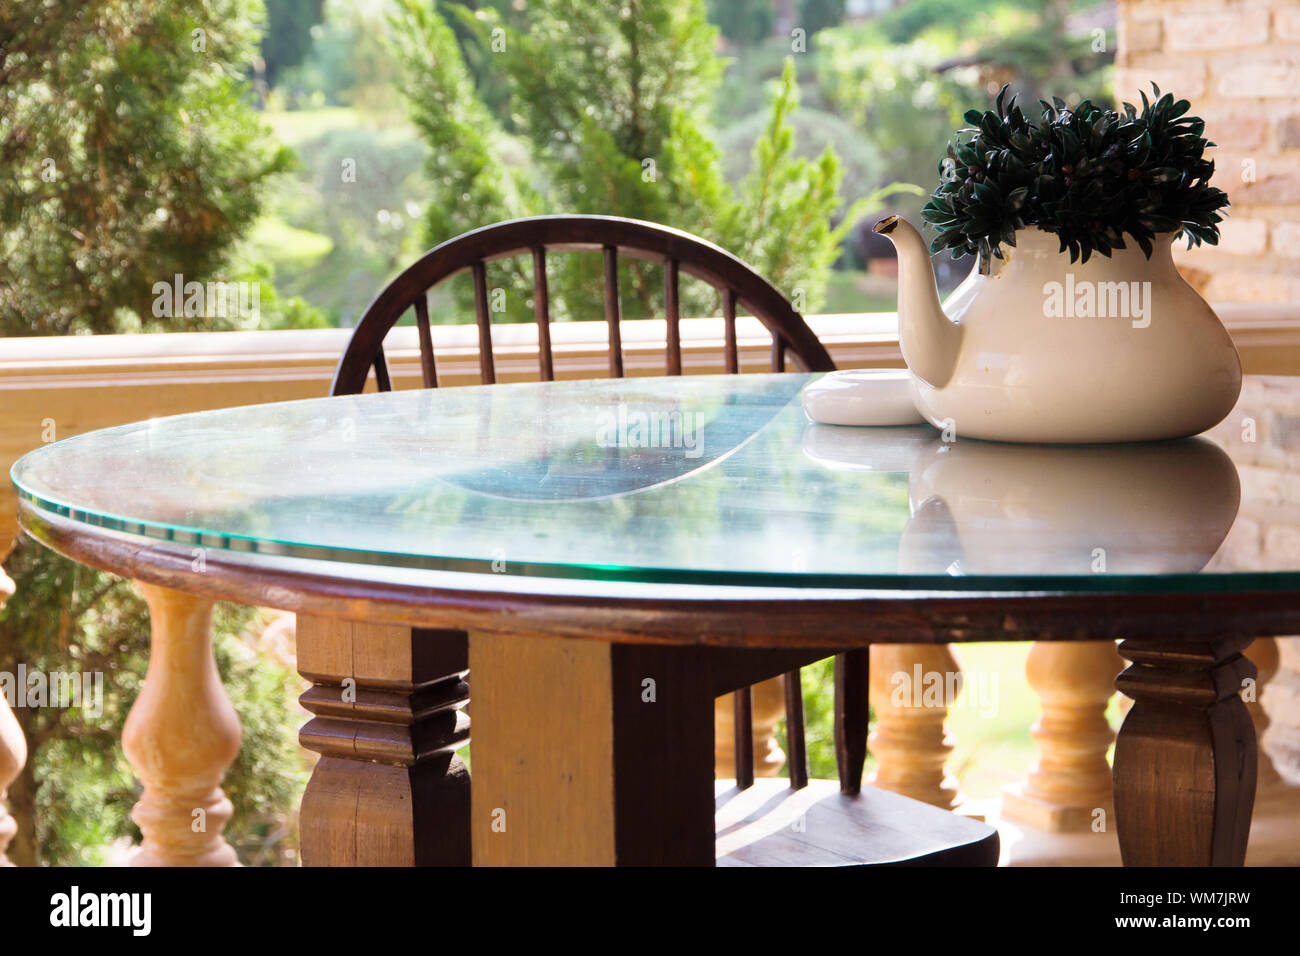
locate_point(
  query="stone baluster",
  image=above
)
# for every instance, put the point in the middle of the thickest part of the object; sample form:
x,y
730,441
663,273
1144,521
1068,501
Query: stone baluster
x,y
13,754
1281,705
1071,781
181,735
1275,825
13,748
768,709
908,691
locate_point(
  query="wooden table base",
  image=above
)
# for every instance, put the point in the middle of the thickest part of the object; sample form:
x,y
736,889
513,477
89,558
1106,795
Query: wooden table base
x,y
1186,756
599,754
388,702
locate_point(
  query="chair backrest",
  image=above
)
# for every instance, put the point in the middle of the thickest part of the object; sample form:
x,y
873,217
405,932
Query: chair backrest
x,y
678,251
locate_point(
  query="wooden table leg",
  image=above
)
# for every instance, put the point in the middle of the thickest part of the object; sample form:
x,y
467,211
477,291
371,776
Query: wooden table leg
x,y
388,702
1185,760
591,754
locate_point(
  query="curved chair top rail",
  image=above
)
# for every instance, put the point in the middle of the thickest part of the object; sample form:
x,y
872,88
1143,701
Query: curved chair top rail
x,y
536,236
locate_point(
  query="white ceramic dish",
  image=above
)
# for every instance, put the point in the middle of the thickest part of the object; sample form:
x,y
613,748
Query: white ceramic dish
x,y
863,396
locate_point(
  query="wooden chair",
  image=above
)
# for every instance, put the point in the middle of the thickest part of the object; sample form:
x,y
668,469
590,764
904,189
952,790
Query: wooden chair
x,y
679,252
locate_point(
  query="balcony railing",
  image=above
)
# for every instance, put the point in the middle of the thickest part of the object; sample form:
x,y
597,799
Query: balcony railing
x,y
54,388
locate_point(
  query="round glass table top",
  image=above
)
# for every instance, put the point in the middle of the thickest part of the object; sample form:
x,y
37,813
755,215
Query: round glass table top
x,y
718,480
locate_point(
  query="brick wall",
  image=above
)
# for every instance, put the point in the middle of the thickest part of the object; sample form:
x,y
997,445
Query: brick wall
x,y
1263,436
1238,61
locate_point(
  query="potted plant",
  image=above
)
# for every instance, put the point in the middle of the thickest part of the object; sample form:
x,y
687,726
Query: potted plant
x,y
1074,325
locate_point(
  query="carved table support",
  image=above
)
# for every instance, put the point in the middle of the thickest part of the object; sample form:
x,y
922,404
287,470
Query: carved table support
x,y
389,703
768,708
181,735
1186,755
911,690
13,748
1071,781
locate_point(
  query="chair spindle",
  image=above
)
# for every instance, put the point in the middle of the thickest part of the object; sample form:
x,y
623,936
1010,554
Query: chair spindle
x,y
795,744
382,382
731,358
542,313
744,748
778,353
852,710
673,316
612,313
486,365
427,368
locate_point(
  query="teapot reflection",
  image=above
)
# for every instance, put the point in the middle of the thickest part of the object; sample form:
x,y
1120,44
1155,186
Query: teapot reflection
x,y
987,508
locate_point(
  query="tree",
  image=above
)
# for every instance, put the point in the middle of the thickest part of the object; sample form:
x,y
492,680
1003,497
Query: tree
x,y
743,22
492,86
906,78
129,156
288,38
1026,43
817,15
347,64
893,95
612,104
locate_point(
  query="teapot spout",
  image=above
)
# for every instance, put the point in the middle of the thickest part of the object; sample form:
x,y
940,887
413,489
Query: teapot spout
x,y
930,342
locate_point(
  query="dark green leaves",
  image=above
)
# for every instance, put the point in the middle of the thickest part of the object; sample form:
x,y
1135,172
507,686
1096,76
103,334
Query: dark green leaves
x,y
1088,174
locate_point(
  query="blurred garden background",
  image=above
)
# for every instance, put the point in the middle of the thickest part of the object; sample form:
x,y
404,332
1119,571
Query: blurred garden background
x,y
426,111
319,146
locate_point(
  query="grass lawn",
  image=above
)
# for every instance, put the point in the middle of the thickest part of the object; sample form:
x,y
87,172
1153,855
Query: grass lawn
x,y
854,291
284,245
993,746
292,127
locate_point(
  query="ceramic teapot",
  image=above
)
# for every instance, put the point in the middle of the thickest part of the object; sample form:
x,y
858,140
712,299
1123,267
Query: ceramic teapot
x,y
1039,349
